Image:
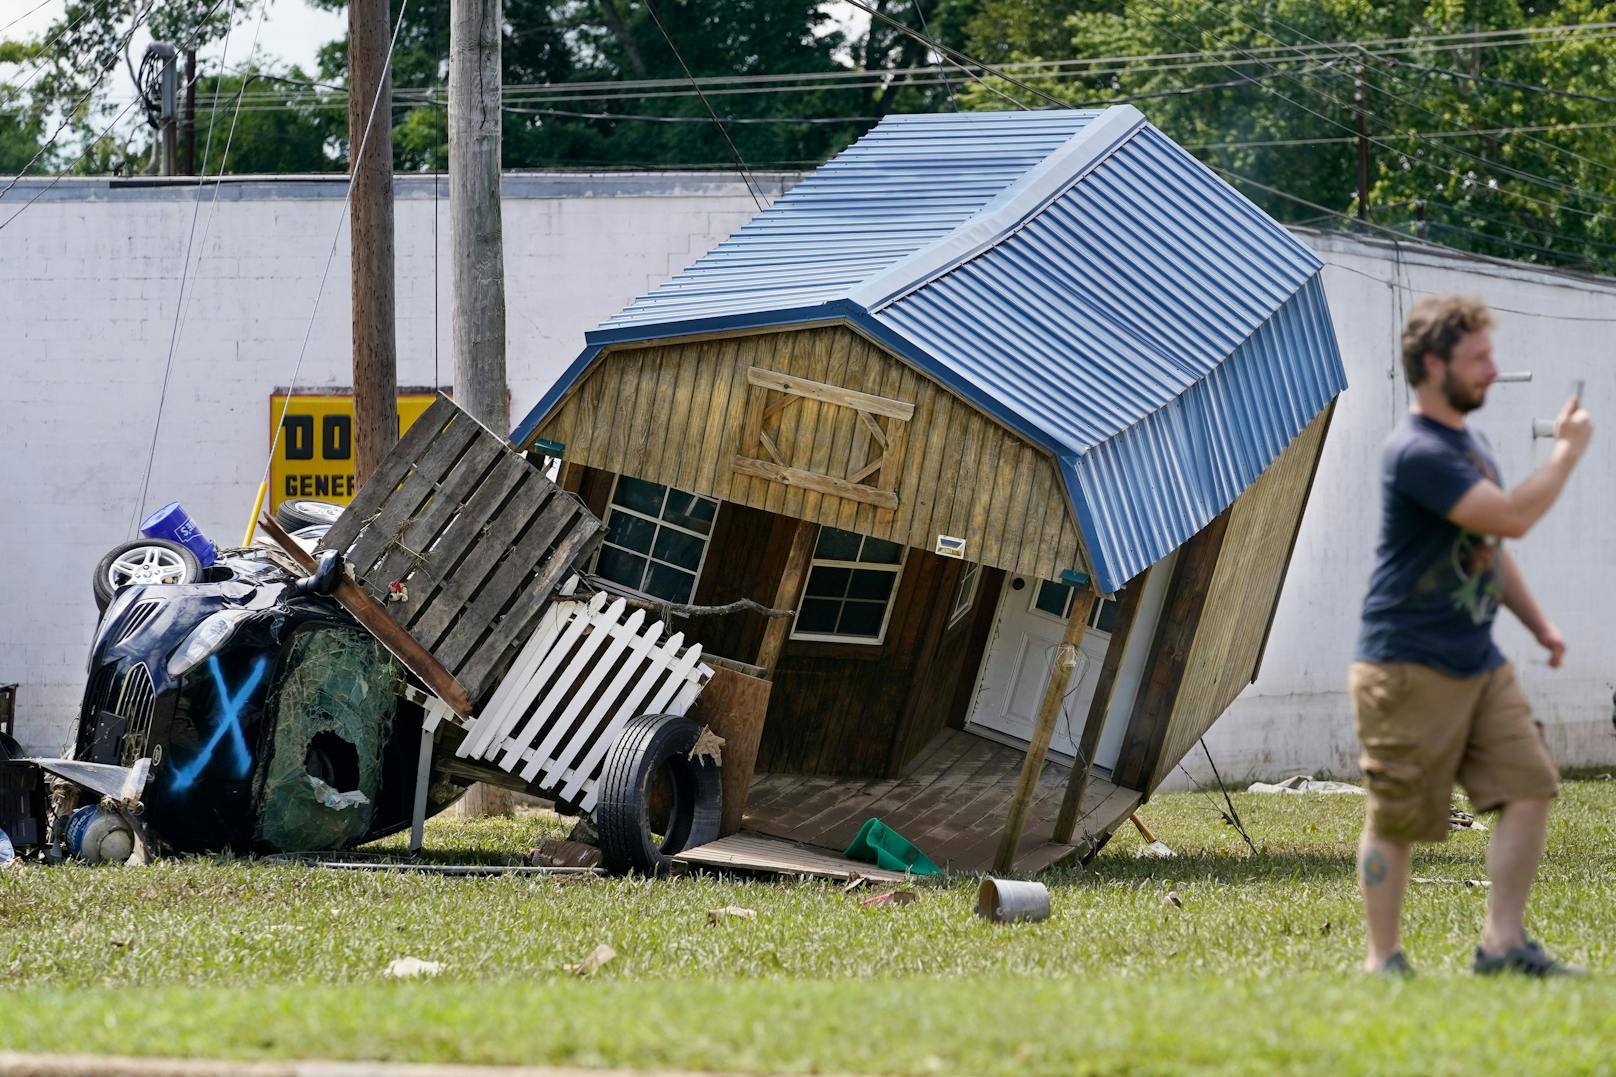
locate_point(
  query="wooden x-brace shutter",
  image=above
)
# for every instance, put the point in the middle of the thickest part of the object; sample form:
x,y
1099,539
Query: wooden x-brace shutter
x,y
885,422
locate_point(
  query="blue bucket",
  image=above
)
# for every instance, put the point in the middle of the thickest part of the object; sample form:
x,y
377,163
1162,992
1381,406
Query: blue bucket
x,y
171,522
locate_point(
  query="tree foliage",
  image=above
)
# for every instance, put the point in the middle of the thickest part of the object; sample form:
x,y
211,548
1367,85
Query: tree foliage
x,y
1475,144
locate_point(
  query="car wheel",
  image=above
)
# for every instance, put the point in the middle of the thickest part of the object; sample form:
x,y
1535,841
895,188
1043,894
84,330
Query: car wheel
x,y
652,756
297,512
143,561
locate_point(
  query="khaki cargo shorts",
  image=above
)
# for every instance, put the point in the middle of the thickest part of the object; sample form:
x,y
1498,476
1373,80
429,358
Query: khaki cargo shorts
x,y
1420,729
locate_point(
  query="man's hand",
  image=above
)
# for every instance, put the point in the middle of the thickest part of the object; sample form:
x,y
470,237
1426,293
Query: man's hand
x,y
1574,426
1549,636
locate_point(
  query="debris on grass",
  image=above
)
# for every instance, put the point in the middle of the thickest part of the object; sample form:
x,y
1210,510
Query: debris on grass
x,y
1434,880
854,881
730,912
1171,900
599,956
1305,783
1155,850
891,897
412,968
1463,820
1005,901
553,853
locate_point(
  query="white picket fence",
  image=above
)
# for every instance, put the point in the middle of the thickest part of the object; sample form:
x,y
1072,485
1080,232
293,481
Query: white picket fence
x,y
584,672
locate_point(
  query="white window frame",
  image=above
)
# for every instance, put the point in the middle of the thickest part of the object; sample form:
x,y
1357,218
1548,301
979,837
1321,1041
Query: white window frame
x,y
873,566
970,582
658,523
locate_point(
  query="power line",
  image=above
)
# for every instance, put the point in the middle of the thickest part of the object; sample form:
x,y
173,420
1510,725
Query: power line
x,y
23,16
44,50
740,164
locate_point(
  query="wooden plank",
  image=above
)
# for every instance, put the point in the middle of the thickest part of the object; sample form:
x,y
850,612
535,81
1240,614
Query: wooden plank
x,y
373,616
860,448
370,496
1009,542
1164,667
787,593
680,421
582,536
565,737
1104,684
505,708
521,735
825,484
411,492
925,464
518,546
678,674
813,362
1043,729
721,435
627,367
405,554
829,394
755,852
752,422
429,609
714,427
1296,531
831,420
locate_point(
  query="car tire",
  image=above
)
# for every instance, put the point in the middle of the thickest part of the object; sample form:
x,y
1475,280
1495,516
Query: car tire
x,y
296,512
143,561
647,745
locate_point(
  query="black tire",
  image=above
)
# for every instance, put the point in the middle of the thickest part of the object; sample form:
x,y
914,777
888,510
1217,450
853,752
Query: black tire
x,y
647,745
112,577
297,512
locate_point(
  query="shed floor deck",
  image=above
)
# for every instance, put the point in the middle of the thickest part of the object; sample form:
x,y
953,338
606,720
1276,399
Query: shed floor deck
x,y
951,802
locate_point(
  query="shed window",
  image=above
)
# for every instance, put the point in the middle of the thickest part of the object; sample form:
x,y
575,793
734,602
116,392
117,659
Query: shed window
x,y
1055,599
851,581
965,594
656,538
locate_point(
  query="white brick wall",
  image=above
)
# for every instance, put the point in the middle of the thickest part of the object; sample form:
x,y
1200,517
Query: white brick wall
x,y
89,279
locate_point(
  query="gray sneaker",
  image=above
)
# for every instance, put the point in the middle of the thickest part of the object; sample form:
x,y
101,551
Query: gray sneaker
x,y
1395,967
1528,959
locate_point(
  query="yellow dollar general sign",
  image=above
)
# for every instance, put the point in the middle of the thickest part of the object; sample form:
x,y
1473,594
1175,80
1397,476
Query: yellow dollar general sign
x,y
315,454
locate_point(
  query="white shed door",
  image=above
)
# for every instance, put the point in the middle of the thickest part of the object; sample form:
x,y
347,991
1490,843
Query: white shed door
x,y
1027,629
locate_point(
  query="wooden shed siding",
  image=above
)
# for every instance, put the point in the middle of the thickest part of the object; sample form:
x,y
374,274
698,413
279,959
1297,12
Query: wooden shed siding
x,y
1241,596
675,413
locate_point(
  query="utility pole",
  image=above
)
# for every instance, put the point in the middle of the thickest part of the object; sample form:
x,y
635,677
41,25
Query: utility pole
x,y
1360,97
476,248
188,117
477,310
370,168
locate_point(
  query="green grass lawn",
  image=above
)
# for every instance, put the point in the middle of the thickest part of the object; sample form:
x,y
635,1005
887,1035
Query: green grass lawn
x,y
237,959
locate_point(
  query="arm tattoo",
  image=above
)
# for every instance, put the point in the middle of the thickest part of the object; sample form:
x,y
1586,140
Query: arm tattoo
x,y
1373,868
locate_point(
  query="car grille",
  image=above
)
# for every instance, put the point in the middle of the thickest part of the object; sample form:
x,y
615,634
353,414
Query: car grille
x,y
138,615
137,699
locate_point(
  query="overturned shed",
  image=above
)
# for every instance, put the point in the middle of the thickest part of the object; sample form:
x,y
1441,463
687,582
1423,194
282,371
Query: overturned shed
x,y
986,396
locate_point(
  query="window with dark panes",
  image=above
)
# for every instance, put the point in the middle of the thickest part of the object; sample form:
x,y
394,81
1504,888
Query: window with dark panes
x,y
851,582
1055,599
965,594
656,538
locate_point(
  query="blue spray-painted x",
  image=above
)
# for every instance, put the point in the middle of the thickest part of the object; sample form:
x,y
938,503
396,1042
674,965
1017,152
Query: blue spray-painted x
x,y
230,707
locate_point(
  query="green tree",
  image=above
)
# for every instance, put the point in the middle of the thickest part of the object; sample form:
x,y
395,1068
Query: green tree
x,y
22,120
1469,147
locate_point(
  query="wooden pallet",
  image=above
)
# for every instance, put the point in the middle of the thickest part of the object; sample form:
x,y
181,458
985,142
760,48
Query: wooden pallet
x,y
585,671
471,535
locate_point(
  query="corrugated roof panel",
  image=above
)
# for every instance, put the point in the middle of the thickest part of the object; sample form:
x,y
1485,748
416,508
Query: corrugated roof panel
x,y
908,182
1075,275
1145,491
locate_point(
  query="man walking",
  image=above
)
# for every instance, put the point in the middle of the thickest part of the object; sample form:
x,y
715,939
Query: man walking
x,y
1434,699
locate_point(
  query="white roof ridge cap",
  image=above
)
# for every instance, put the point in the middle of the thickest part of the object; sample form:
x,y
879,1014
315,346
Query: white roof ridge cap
x,y
1023,199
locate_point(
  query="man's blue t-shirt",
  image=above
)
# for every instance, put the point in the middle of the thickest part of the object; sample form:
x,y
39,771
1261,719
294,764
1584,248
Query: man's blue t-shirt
x,y
1435,587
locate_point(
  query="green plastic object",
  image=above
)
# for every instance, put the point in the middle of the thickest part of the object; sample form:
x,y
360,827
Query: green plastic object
x,y
879,844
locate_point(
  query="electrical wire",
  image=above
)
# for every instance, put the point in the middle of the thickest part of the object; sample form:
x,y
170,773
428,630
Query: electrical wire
x,y
67,117
183,304
24,15
947,85
751,188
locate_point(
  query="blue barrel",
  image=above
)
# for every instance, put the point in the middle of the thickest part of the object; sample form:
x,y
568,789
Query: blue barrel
x,y
171,522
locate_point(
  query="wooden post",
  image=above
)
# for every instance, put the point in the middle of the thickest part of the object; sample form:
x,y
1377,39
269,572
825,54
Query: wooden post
x,y
1048,709
188,163
787,594
370,168
1089,741
477,311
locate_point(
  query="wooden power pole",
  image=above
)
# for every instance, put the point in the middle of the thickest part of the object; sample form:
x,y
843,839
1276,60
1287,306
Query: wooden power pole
x,y
477,252
1360,97
370,167
476,248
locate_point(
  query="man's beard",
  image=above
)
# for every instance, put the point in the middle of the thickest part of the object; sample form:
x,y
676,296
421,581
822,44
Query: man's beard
x,y
1459,398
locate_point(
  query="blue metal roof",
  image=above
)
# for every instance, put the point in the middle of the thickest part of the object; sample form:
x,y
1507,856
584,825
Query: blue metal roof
x,y
1075,275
